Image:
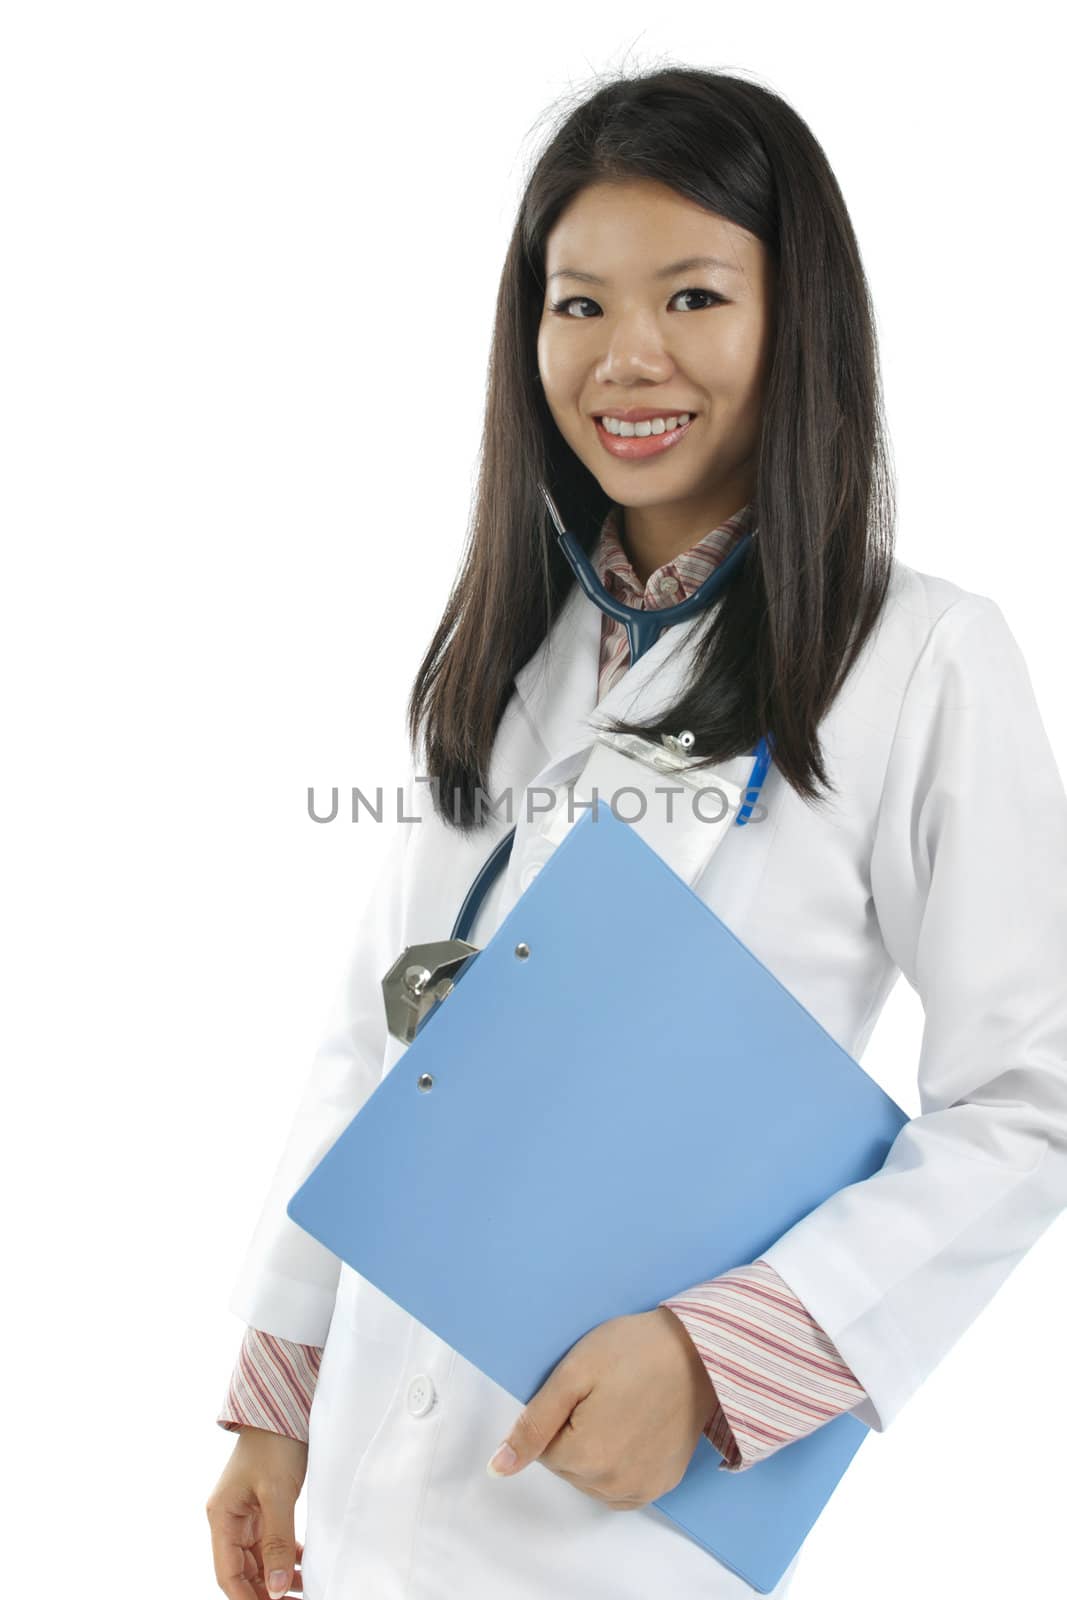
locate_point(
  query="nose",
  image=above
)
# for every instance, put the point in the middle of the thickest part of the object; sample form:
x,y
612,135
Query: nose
x,y
634,350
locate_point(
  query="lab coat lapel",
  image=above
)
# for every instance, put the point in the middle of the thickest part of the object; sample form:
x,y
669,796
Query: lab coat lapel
x,y
557,690
558,685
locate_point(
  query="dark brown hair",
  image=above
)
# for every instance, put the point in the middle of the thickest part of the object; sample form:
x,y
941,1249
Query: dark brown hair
x,y
775,653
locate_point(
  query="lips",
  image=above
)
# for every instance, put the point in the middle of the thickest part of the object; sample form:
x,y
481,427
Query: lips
x,y
643,413
653,444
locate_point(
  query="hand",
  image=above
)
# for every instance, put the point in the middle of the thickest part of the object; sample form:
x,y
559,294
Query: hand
x,y
622,1413
252,1515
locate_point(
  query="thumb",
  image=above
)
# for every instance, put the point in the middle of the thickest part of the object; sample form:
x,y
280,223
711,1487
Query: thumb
x,y
537,1425
277,1545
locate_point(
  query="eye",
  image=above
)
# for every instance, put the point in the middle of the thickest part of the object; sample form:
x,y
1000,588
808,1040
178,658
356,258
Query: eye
x,y
709,295
562,307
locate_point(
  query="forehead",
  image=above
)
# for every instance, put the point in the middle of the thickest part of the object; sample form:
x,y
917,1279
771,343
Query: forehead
x,y
634,226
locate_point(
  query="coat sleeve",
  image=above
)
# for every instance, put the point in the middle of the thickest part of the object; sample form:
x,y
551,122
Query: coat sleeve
x,y
968,881
287,1281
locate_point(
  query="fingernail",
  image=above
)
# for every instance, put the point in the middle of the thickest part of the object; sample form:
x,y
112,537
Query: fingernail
x,y
502,1461
277,1583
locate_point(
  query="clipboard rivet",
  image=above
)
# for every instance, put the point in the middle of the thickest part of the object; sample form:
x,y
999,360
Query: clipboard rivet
x,y
522,951
425,1082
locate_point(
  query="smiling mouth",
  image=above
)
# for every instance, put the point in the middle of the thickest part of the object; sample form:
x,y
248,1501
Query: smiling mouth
x,y
638,447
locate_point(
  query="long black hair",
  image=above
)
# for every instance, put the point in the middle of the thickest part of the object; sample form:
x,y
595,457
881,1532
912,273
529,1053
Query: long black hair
x,y
775,653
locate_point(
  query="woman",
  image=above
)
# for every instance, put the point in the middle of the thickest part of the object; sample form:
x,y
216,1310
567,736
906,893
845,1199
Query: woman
x,y
682,250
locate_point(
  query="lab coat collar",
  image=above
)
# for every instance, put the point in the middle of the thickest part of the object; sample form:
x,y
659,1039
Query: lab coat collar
x,y
558,685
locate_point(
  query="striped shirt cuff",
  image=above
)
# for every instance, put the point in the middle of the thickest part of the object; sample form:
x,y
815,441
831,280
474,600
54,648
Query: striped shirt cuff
x,y
776,1374
271,1386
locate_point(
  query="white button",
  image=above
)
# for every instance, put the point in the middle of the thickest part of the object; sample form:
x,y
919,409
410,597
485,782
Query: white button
x,y
421,1395
668,584
529,873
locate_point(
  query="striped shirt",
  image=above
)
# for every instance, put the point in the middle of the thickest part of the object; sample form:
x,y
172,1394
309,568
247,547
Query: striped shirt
x,y
775,1373
669,584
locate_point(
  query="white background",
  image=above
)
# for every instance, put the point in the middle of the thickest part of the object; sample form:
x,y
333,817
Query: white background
x,y
249,263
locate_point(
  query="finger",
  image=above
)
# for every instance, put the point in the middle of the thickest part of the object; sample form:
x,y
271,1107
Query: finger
x,y
584,1485
540,1421
253,1575
233,1574
297,1584
277,1541
229,1531
576,1450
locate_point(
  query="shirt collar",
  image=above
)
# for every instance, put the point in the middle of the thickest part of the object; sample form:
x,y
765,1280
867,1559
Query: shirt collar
x,y
677,579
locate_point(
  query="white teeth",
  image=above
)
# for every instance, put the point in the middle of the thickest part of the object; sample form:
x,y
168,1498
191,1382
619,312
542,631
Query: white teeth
x,y
641,430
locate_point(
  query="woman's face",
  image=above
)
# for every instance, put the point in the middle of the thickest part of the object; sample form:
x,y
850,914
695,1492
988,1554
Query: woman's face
x,y
631,322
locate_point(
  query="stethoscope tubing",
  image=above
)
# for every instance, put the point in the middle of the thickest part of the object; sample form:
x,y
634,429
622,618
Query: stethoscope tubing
x,y
643,628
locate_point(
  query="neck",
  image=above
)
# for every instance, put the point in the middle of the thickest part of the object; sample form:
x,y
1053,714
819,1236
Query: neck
x,y
654,535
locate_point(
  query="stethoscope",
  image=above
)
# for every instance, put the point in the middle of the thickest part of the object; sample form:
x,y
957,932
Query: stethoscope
x,y
643,628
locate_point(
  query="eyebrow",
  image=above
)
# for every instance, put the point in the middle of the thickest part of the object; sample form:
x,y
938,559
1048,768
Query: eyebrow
x,y
664,272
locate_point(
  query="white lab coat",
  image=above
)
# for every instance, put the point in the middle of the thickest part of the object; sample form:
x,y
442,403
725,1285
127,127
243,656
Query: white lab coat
x,y
944,856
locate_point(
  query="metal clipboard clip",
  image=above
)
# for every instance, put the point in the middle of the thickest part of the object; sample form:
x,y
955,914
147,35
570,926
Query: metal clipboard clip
x,y
424,974
421,975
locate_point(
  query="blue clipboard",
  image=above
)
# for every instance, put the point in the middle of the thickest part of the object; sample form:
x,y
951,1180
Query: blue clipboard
x,y
676,1108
